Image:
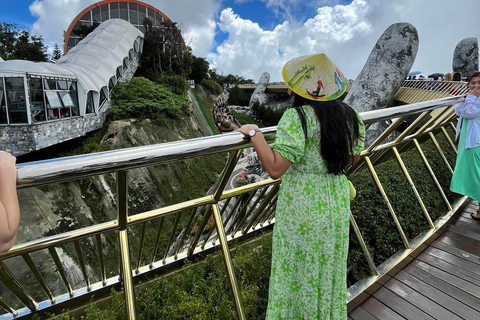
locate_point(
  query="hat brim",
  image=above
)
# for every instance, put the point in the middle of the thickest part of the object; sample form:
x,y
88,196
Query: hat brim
x,y
314,77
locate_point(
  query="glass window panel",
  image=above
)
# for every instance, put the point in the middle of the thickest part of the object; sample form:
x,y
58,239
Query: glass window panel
x,y
49,84
151,14
16,103
103,97
96,14
62,85
119,72
86,17
37,107
141,28
66,99
71,43
111,83
3,105
114,12
52,100
73,95
123,11
35,83
132,10
125,63
104,12
141,14
90,106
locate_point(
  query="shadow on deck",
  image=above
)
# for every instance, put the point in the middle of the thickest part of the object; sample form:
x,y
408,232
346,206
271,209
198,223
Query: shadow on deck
x,y
443,282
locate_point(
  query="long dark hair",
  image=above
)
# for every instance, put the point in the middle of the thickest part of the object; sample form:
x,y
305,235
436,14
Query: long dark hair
x,y
339,130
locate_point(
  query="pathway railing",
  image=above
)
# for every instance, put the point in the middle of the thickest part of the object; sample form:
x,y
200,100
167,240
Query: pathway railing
x,y
238,213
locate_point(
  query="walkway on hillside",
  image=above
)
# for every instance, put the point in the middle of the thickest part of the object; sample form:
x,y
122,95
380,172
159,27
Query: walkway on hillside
x,y
443,282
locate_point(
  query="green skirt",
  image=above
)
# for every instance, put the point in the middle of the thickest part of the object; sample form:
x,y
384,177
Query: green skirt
x,y
466,176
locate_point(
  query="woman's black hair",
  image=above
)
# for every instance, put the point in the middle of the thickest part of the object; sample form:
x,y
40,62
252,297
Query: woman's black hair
x,y
339,130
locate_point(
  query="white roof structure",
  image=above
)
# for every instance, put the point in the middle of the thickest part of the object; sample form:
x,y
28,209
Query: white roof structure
x,y
96,58
93,61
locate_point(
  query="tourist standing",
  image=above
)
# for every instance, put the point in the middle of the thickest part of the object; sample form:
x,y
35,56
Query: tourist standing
x,y
315,141
466,177
9,209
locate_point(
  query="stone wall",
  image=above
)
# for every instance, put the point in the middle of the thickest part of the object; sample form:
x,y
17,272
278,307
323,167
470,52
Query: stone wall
x,y
22,139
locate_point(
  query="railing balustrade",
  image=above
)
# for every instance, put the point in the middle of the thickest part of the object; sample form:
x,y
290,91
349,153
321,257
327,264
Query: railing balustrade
x,y
237,213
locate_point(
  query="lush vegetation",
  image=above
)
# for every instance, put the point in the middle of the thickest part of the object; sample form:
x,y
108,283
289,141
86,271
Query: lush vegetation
x,y
237,97
141,98
244,119
200,291
20,44
206,109
229,79
266,115
371,212
212,86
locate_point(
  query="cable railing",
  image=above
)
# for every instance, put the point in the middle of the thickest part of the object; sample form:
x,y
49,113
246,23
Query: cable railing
x,y
201,225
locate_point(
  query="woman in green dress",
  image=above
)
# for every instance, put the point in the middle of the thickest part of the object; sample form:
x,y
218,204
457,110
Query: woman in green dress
x,y
315,141
466,176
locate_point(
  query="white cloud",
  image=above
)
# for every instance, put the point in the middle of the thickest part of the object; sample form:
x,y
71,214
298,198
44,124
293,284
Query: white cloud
x,y
250,50
347,34
195,17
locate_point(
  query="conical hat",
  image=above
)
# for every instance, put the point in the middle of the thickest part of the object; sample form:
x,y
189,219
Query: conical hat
x,y
314,77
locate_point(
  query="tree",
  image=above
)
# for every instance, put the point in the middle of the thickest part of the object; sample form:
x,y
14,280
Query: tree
x,y
229,79
8,34
28,47
163,50
56,54
200,68
19,44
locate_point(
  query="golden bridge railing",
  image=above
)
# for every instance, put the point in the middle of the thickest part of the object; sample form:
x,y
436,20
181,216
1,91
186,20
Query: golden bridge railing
x,y
237,213
423,90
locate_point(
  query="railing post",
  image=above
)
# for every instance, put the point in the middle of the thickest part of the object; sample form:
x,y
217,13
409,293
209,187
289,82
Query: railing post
x,y
9,280
228,262
125,263
387,202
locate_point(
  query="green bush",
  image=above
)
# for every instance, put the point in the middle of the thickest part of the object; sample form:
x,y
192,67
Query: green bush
x,y
212,86
237,97
142,98
373,216
266,115
176,83
226,124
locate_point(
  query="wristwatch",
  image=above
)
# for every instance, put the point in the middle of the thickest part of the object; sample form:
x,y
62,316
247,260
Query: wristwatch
x,y
252,132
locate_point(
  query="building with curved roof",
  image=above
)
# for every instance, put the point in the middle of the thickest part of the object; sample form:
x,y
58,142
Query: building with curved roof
x,y
129,10
43,103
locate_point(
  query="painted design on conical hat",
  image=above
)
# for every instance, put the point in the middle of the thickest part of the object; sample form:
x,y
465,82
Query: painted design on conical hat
x,y
314,77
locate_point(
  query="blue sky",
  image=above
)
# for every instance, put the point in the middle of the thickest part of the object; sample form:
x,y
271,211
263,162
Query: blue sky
x,y
17,12
249,37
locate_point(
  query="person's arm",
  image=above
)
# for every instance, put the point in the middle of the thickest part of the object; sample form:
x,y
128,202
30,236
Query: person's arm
x,y
9,209
471,106
271,160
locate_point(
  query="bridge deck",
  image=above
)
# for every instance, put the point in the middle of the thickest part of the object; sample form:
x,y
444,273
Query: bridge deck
x,y
443,282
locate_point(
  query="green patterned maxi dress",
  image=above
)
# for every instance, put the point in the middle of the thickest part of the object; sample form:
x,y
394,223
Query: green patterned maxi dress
x,y
310,238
